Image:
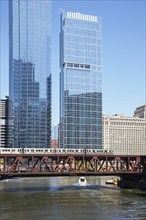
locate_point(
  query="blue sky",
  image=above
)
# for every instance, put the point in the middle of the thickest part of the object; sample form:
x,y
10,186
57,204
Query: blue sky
x,y
124,34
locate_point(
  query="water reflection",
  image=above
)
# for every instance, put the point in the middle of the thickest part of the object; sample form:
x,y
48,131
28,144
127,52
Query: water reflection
x,y
59,198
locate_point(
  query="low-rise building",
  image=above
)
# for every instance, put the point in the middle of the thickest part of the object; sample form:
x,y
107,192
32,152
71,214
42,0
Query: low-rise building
x,y
125,135
54,144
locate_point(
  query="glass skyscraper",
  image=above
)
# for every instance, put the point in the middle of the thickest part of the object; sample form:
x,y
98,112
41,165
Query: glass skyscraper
x,y
30,71
81,81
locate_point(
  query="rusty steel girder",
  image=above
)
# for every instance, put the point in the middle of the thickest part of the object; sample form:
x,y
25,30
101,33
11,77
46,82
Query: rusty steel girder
x,y
69,164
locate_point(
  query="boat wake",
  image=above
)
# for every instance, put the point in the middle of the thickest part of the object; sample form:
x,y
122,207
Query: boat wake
x,y
76,186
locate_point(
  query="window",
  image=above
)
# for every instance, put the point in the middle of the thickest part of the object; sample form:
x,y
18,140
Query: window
x,y
76,65
87,66
69,64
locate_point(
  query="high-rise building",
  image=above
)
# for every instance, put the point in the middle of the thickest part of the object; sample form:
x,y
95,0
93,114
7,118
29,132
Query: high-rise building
x,y
55,130
81,76
6,123
124,134
30,71
140,111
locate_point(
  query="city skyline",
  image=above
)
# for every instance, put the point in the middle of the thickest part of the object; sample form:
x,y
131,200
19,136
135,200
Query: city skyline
x,y
123,52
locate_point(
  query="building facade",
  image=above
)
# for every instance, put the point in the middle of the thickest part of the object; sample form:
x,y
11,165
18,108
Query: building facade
x,y
80,78
55,130
124,135
140,111
30,71
6,123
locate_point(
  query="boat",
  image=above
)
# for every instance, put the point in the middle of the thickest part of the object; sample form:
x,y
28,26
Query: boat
x,y
82,181
111,181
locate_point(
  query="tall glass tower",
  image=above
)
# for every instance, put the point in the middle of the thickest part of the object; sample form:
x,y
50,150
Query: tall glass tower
x,y
30,71
81,78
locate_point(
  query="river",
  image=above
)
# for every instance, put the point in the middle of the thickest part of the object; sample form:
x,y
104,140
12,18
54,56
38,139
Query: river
x,y
59,198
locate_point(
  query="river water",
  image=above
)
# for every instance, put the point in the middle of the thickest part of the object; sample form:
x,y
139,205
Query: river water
x,y
59,198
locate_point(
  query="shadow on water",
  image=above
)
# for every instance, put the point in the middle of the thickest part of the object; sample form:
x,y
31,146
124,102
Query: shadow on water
x,y
143,194
77,187
57,188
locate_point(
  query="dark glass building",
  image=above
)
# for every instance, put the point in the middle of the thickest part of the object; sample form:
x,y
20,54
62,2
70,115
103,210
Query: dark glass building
x,y
81,79
6,123
30,71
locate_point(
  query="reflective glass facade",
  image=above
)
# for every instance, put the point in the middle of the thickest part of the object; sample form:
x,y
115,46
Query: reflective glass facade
x,y
30,71
81,79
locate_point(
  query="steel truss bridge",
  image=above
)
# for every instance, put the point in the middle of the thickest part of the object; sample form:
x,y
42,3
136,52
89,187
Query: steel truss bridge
x,y
73,164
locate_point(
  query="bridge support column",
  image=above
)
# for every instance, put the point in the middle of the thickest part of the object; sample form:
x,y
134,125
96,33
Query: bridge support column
x,y
133,181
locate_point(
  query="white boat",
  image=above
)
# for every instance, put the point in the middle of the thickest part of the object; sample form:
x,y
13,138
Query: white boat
x,y
111,181
82,181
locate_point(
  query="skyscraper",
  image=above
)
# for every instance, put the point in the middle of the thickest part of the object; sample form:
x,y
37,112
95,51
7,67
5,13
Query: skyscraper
x,y
30,71
6,122
81,78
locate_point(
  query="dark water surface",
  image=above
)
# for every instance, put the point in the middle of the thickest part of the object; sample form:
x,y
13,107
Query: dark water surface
x,y
59,198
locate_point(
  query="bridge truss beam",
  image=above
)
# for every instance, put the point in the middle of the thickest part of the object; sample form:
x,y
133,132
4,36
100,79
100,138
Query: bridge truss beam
x,y
70,164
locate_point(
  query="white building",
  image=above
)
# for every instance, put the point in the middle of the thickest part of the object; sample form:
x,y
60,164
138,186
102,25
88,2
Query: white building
x,y
124,135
